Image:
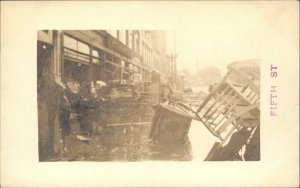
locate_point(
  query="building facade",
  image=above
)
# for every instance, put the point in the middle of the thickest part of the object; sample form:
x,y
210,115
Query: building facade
x,y
86,55
90,55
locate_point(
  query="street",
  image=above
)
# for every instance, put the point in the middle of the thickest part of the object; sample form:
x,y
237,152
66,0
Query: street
x,y
99,104
124,138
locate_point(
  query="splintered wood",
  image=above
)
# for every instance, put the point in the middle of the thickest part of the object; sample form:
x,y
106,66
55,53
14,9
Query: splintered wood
x,y
230,105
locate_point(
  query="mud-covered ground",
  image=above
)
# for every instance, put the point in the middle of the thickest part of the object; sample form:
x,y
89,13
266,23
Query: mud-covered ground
x,y
118,134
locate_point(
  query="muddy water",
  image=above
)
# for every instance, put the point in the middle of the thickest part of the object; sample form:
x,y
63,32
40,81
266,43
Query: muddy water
x,y
122,134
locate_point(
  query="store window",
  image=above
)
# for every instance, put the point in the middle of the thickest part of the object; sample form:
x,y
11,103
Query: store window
x,y
76,45
73,46
70,42
84,48
75,71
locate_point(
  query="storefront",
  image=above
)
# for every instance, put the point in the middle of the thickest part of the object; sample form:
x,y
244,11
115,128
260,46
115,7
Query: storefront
x,y
84,60
76,60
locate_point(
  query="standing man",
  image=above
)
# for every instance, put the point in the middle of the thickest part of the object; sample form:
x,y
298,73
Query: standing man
x,y
64,119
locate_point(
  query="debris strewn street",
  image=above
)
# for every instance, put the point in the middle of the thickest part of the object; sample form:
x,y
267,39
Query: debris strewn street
x,y
118,95
123,139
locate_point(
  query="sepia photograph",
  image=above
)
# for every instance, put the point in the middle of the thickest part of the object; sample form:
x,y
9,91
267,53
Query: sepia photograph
x,y
149,93
125,95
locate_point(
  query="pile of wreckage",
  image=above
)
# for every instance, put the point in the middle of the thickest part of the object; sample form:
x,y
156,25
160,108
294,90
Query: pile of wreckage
x,y
231,112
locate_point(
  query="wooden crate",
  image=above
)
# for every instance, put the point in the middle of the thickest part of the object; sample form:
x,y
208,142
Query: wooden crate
x,y
170,124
